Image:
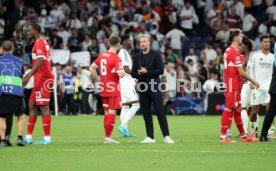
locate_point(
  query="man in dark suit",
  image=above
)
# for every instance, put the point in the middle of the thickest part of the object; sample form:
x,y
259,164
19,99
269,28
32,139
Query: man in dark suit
x,y
147,67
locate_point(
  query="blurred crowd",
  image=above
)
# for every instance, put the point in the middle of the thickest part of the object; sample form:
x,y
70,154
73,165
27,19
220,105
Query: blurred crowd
x,y
190,35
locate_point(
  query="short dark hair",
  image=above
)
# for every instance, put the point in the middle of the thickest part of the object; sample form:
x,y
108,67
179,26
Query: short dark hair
x,y
114,40
247,43
36,27
8,46
264,37
233,33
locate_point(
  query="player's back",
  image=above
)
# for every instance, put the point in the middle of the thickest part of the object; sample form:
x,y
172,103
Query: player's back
x,y
41,49
109,64
232,60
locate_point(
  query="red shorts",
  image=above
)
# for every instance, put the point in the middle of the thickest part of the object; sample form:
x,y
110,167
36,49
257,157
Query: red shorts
x,y
233,99
111,103
41,94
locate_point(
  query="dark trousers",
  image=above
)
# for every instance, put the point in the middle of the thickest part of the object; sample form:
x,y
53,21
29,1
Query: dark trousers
x,y
27,95
68,104
85,107
269,116
146,100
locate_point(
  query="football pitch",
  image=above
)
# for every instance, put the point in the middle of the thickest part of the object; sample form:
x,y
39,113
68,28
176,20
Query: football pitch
x,y
77,145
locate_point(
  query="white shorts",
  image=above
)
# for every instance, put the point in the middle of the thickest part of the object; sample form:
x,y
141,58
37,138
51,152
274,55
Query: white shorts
x,y
259,97
128,94
245,95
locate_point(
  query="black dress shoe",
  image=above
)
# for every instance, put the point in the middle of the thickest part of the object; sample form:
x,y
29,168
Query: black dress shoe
x,y
20,141
264,139
4,143
8,141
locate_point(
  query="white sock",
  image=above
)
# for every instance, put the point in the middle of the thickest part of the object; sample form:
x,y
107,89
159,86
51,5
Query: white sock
x,y
29,136
251,126
131,112
47,138
123,113
244,117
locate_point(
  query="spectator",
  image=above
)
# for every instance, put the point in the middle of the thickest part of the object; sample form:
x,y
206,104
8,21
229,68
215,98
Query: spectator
x,y
249,24
191,55
103,45
217,23
223,36
73,22
86,43
86,86
170,77
2,26
192,71
57,15
186,16
45,21
203,73
55,40
171,56
233,20
211,54
65,35
175,36
74,42
210,85
93,49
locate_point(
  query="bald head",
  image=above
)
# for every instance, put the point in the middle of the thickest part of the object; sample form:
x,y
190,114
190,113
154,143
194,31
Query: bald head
x,y
7,46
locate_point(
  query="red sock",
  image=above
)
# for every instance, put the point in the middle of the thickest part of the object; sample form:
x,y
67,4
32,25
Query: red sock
x,y
46,122
238,121
229,121
31,125
224,122
109,121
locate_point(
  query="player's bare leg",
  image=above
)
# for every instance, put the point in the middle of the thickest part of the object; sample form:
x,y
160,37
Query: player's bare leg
x,y
2,132
20,128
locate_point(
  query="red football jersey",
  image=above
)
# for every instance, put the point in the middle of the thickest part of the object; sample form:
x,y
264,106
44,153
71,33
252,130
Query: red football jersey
x,y
41,49
109,64
232,78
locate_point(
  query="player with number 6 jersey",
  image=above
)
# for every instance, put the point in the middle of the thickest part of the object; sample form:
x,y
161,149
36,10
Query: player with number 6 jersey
x,y
110,68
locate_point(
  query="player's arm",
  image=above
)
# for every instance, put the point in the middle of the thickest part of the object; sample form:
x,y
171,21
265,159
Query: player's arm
x,y
123,55
118,67
246,76
127,69
35,68
93,69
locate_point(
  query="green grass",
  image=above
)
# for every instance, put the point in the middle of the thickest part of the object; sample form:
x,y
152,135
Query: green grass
x,y
77,145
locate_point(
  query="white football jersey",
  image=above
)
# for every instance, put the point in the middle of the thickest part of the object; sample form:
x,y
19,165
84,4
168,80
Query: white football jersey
x,y
126,61
261,68
249,65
